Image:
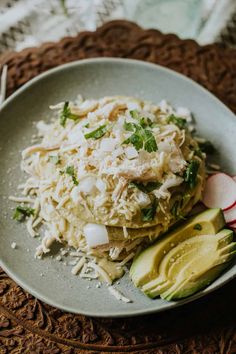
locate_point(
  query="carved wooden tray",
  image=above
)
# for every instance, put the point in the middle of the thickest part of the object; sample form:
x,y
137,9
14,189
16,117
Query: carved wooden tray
x,y
207,326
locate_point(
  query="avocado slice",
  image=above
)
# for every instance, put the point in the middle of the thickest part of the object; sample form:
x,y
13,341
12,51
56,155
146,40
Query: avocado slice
x,y
173,262
145,266
174,259
203,268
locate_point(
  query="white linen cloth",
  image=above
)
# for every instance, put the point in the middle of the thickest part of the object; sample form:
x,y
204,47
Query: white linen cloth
x,y
25,23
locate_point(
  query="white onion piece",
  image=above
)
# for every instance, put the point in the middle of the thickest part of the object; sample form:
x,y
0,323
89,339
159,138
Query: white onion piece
x,y
101,186
184,112
117,152
143,199
95,234
164,106
165,146
87,105
75,195
87,185
76,136
131,152
108,144
43,127
132,105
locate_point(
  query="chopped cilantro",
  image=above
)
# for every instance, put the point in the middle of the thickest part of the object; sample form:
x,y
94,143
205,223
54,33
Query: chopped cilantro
x,y
129,126
55,159
145,122
147,187
150,144
136,140
148,214
134,114
197,227
190,174
86,125
21,212
97,133
180,122
70,170
207,147
175,210
66,114
141,138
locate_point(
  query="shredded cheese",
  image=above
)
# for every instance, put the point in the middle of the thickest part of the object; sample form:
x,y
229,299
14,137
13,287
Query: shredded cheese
x,y
81,174
118,295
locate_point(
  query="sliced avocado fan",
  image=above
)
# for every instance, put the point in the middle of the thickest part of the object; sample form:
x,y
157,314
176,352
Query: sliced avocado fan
x,y
145,266
190,262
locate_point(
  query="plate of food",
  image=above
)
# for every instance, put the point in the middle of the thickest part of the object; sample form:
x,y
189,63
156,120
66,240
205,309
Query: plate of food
x,y
118,193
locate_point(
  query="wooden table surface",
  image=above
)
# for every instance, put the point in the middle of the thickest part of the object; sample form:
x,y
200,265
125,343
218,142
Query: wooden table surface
x,y
205,326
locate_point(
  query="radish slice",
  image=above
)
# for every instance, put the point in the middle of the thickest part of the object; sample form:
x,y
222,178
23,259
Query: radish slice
x,y
230,207
230,215
232,225
220,191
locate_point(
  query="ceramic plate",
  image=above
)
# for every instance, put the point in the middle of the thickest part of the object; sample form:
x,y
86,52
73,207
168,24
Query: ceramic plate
x,y
48,279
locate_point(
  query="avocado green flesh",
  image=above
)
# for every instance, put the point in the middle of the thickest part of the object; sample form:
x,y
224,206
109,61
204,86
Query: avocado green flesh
x,y
200,270
187,259
171,264
179,271
211,221
190,286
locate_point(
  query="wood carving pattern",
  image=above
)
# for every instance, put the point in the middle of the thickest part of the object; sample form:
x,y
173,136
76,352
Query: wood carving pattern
x,y
29,326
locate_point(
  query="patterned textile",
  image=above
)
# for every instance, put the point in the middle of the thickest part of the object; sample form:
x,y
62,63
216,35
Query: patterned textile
x,y
27,23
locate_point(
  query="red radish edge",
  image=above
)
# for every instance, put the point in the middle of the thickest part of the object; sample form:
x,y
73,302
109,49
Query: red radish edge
x,y
230,215
229,207
214,190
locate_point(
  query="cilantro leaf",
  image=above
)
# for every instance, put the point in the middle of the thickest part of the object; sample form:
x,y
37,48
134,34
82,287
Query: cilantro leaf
x,y
134,114
70,170
129,126
97,133
145,122
55,159
180,122
150,144
147,187
66,114
148,214
137,140
190,174
21,212
142,138
175,210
